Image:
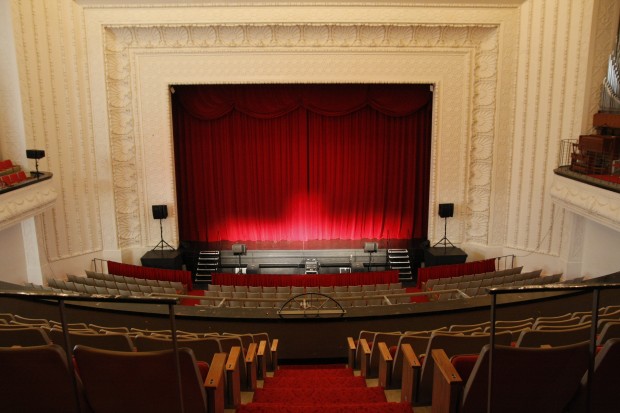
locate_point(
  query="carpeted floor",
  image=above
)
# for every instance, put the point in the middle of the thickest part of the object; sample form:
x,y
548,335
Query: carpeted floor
x,y
330,389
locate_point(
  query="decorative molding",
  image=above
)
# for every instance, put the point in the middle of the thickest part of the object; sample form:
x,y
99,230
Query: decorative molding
x,y
596,204
21,204
464,113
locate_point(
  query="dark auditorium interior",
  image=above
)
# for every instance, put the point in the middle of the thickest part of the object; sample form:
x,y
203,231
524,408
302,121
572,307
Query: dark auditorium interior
x,y
306,206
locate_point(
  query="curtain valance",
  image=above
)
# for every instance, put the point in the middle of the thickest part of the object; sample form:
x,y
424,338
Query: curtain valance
x,y
271,101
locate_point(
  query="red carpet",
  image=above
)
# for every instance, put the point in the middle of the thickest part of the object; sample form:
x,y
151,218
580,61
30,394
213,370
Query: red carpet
x,y
314,390
417,298
315,382
189,301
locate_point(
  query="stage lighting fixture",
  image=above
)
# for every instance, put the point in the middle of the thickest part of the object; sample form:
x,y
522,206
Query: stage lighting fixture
x,y
370,247
239,250
445,211
160,212
35,154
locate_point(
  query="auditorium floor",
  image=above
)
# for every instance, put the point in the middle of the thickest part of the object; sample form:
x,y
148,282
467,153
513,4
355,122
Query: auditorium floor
x,y
391,395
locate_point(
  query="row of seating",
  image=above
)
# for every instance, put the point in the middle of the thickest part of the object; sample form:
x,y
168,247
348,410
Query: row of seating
x,y
471,277
117,288
106,337
254,354
13,178
98,277
386,360
523,332
526,379
328,300
480,287
6,165
43,380
303,290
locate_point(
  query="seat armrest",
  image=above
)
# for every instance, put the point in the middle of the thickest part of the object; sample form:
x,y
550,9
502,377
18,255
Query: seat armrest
x,y
447,384
261,359
351,352
250,365
386,363
215,382
365,357
274,354
233,378
410,374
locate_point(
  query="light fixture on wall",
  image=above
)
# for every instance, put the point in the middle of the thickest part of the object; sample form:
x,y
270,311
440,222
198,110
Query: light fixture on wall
x,y
445,211
160,212
35,154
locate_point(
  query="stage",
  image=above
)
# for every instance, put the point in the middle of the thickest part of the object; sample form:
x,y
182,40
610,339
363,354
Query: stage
x,y
303,257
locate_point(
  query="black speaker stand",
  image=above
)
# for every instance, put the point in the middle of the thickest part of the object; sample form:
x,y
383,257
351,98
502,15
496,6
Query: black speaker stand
x,y
444,241
162,243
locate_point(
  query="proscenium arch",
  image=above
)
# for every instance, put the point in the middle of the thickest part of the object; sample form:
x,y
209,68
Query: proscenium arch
x,y
142,65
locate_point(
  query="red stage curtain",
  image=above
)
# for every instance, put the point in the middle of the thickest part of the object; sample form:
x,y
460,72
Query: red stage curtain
x,y
302,162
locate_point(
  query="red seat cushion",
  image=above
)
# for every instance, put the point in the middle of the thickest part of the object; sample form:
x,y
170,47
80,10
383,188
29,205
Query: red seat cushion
x,y
203,367
464,364
393,351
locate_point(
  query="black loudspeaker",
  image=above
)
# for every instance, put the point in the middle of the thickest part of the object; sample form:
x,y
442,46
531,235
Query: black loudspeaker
x,y
238,249
370,247
446,210
35,153
160,211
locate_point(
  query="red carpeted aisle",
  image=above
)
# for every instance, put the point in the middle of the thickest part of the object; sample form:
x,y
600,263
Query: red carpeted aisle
x,y
308,390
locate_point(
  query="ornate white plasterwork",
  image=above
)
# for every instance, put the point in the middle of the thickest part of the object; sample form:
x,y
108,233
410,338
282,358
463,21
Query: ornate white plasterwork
x,y
461,60
20,204
597,204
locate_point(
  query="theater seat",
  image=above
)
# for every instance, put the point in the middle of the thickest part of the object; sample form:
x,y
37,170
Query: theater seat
x,y
452,345
605,396
525,380
118,381
37,379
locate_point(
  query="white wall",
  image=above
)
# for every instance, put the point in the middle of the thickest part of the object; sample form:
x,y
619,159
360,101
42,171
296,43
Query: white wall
x,y
13,256
601,246
13,259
